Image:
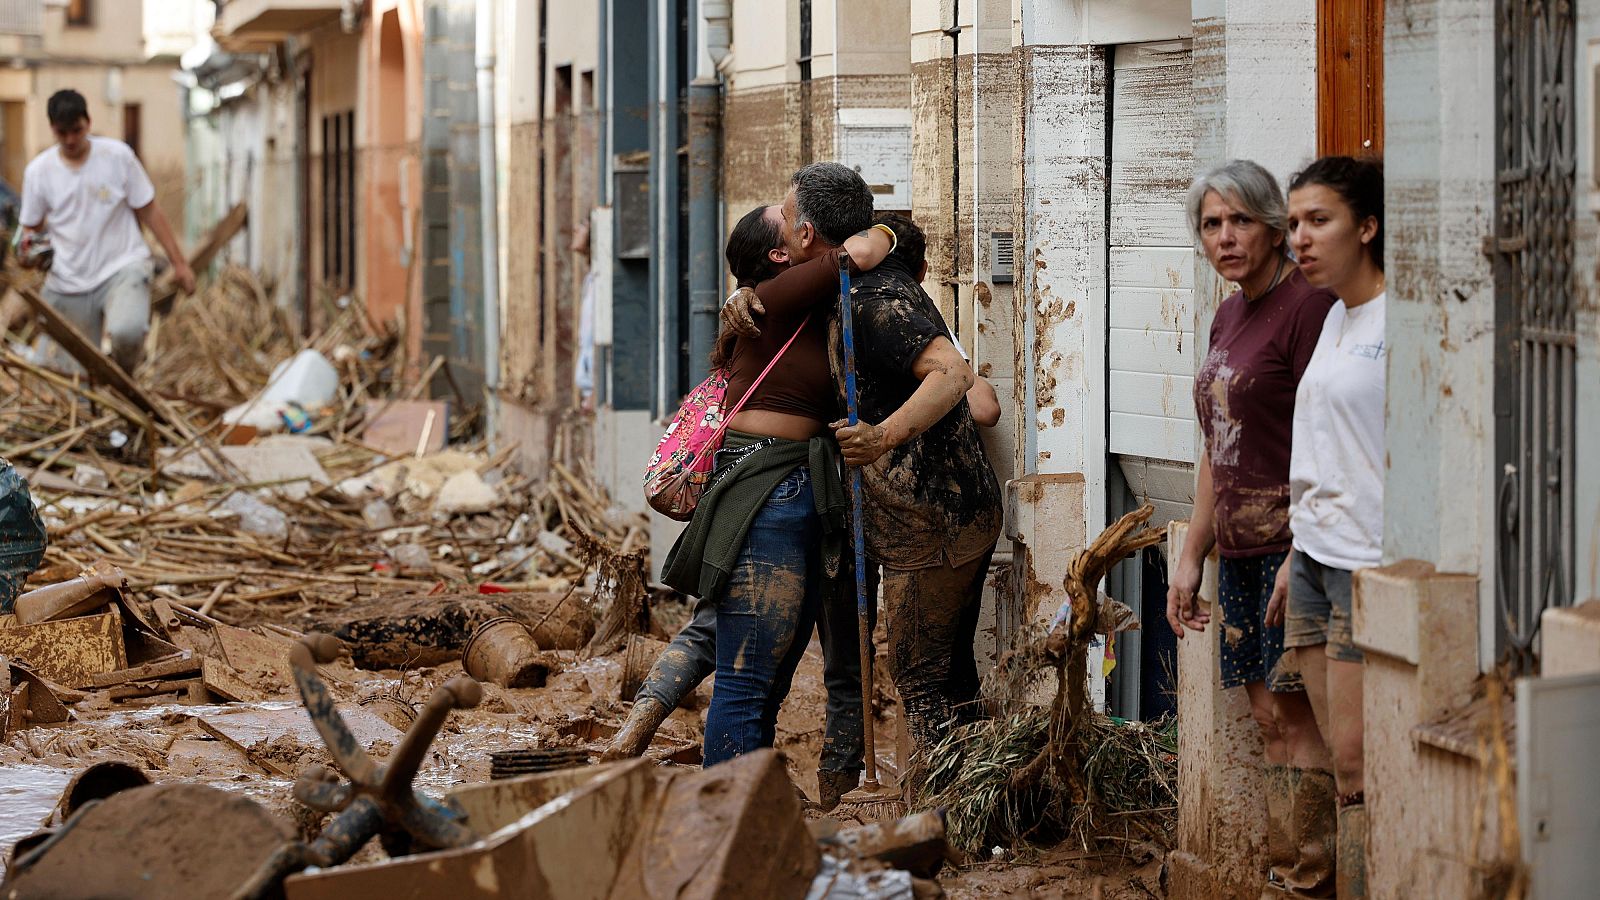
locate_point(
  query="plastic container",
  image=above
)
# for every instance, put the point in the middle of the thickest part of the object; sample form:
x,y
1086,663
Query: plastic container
x,y
306,379
504,652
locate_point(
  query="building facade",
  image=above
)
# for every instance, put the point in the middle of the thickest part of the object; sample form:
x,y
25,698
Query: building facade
x,y
312,114
552,184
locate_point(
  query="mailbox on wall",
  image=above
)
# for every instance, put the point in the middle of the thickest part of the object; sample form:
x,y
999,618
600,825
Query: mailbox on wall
x,y
877,143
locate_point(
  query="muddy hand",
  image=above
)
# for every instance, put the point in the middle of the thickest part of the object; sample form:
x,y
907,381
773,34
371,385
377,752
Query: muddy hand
x,y
861,443
739,312
1182,610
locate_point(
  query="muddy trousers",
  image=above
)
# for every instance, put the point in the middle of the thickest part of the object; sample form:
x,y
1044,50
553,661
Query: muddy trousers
x,y
764,620
933,619
118,306
691,658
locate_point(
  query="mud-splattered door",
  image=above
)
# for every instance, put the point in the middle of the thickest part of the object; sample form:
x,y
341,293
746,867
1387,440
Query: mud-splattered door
x,y
1150,339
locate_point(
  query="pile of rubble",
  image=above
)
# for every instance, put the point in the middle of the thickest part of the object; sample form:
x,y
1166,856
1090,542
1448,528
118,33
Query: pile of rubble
x,y
245,490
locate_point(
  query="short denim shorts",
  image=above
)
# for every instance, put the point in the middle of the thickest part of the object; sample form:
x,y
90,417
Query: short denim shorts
x,y
1320,609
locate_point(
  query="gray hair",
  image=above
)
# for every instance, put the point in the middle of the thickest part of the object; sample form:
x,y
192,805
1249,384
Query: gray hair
x,y
1246,186
834,199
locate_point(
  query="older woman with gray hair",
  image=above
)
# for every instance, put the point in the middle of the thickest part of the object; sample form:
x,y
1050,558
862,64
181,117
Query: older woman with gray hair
x,y
1261,342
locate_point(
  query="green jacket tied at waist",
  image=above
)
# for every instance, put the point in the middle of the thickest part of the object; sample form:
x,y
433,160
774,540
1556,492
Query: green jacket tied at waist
x,y
747,471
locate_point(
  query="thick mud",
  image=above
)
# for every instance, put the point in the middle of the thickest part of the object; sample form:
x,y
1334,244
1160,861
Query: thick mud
x,y
579,707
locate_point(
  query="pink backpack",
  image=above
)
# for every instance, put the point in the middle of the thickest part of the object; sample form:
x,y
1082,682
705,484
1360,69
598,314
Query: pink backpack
x,y
681,467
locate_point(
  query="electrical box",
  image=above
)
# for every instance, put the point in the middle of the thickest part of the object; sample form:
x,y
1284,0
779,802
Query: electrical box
x,y
1002,256
632,206
877,143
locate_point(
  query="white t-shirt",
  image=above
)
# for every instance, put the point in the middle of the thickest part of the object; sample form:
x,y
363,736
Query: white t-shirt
x,y
1337,461
88,212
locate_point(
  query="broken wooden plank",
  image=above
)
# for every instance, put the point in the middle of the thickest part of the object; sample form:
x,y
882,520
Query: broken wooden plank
x,y
185,664
151,688
105,369
87,352
70,651
165,292
226,684
44,707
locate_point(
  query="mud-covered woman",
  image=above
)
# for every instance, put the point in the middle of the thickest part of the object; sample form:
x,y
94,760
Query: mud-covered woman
x,y
1336,471
755,254
769,531
1262,340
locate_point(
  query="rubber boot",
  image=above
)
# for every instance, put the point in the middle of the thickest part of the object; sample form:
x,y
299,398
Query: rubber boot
x,y
1280,844
1353,852
647,715
832,785
1314,829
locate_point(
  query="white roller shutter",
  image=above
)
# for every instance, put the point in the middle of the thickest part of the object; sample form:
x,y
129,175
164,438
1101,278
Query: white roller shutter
x,y
1151,278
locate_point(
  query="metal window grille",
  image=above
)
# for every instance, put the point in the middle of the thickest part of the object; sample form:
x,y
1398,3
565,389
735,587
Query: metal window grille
x,y
1536,352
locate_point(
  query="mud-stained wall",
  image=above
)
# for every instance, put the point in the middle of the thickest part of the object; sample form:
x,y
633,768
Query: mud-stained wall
x,y
1060,259
761,131
521,376
543,278
942,139
821,102
1439,203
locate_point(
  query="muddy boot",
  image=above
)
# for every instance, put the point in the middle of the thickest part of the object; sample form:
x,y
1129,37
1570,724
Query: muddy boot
x,y
1314,830
1280,845
634,738
832,785
1352,848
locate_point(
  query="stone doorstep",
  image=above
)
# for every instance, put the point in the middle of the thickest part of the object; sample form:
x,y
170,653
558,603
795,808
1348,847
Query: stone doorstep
x,y
1416,610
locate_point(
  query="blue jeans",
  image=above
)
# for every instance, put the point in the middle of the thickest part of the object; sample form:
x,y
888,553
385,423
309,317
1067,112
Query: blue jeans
x,y
764,620
691,658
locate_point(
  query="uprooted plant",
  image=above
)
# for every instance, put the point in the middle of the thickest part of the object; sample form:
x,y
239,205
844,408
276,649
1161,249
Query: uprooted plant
x,y
1037,771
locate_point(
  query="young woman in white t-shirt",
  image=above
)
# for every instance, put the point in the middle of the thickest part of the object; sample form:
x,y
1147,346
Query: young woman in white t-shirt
x,y
1336,466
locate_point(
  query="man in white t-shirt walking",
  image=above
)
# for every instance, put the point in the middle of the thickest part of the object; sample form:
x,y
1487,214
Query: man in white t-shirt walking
x,y
91,195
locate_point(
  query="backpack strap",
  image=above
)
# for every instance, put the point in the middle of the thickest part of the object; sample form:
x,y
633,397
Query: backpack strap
x,y
759,378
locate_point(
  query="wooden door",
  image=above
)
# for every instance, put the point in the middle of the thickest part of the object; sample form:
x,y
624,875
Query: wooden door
x,y
1350,77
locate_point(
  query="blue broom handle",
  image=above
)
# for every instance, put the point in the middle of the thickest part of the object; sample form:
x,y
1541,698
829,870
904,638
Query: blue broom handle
x,y
847,321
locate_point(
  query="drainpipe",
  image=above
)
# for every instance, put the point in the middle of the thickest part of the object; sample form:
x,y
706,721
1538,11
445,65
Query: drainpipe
x,y
954,33
488,216
705,175
977,175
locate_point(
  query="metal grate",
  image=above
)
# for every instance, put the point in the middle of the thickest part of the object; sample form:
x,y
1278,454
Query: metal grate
x,y
24,17
1536,327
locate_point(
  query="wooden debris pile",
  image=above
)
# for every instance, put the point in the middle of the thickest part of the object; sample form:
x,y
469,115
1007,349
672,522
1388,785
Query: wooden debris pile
x,y
285,527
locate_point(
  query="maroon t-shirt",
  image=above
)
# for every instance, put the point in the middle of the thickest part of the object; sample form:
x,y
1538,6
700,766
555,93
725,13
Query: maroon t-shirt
x,y
1244,398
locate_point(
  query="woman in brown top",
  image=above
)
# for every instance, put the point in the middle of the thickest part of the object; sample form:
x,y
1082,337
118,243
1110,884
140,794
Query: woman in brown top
x,y
758,544
1244,393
